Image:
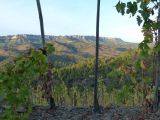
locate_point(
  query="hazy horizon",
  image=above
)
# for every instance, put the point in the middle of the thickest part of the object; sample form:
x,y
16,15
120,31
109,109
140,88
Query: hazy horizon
x,y
67,18
69,35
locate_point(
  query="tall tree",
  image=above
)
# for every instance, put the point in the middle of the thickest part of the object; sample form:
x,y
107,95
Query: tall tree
x,y
48,84
41,22
96,104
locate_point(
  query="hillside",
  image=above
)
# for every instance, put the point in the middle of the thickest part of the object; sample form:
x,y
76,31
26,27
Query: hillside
x,y
75,46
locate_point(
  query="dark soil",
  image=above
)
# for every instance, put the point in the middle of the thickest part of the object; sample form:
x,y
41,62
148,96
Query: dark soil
x,y
78,113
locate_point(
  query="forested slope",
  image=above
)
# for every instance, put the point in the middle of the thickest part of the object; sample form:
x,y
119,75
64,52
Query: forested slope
x,y
70,48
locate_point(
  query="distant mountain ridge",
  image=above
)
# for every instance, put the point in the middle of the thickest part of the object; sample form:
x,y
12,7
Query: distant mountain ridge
x,y
77,38
73,45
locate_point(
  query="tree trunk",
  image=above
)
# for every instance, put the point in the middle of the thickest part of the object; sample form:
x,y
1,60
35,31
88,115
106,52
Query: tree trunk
x,y
75,99
41,22
52,103
156,88
49,85
156,98
96,104
142,73
51,99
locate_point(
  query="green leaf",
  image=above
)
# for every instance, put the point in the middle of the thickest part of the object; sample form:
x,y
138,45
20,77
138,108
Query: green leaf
x,y
147,80
145,13
144,48
121,7
132,8
157,47
138,1
139,20
156,25
50,48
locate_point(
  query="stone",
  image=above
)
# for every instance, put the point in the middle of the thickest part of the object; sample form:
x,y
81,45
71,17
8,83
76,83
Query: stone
x,y
1,110
21,109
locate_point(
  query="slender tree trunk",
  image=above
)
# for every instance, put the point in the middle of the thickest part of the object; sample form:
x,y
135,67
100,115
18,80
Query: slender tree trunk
x,y
142,73
51,98
158,58
52,103
157,81
75,99
41,22
96,104
50,79
154,69
156,88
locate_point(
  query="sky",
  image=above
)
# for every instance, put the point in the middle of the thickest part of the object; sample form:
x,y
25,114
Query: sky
x,y
67,17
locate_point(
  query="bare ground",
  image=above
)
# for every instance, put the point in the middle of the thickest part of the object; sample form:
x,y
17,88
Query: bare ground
x,y
78,113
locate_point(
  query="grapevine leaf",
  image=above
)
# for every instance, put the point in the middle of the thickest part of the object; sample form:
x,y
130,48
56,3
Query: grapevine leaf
x,y
121,7
139,20
132,8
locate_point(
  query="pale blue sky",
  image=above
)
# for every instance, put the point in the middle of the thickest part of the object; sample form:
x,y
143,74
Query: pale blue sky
x,y
66,17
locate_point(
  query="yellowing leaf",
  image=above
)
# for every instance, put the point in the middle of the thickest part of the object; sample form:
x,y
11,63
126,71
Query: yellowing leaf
x,y
143,65
146,1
